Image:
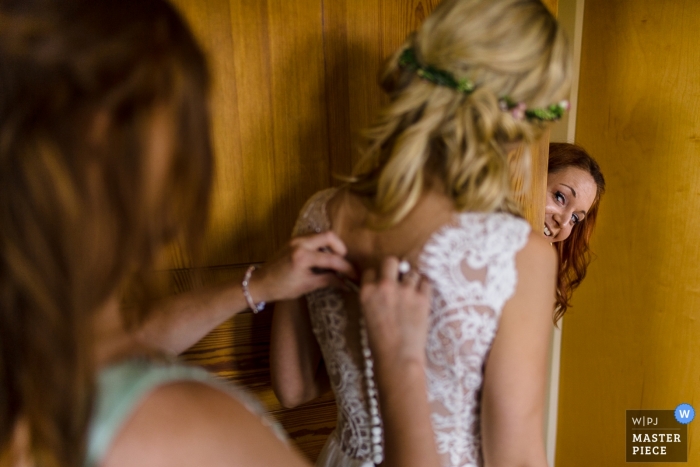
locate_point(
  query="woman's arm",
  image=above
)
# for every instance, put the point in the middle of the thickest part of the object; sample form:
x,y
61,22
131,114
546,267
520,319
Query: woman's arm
x,y
297,371
191,424
396,315
512,420
176,323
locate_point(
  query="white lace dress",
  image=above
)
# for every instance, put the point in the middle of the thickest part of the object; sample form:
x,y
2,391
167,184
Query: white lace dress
x,y
471,264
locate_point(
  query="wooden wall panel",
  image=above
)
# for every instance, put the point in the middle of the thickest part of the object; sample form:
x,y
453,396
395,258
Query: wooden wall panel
x,y
358,36
631,340
269,129
530,192
211,25
290,163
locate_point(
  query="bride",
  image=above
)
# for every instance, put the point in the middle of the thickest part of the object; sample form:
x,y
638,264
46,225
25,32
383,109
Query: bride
x,y
433,189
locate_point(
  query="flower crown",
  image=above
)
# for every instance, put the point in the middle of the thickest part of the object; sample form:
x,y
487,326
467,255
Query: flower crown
x,y
466,86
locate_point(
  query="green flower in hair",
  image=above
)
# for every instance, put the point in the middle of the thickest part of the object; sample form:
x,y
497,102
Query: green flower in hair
x,y
434,75
518,110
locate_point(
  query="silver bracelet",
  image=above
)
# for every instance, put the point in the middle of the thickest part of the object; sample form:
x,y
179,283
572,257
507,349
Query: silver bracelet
x,y
246,292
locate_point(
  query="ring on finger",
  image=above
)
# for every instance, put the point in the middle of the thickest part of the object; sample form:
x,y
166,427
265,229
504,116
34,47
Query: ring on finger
x,y
410,278
404,268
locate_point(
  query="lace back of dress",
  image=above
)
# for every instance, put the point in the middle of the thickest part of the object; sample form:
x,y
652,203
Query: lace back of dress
x,y
471,265
338,335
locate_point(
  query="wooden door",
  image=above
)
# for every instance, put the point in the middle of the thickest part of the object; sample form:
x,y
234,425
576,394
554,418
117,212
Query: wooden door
x,y
631,340
293,83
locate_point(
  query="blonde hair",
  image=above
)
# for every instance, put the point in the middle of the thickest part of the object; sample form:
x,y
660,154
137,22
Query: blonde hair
x,y
508,48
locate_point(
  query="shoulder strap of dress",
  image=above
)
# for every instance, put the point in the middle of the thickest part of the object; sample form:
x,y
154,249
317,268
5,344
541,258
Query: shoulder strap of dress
x,y
313,217
122,387
477,241
504,236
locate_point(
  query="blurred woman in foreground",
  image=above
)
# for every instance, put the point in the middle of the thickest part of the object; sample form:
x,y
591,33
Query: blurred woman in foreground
x,y
104,158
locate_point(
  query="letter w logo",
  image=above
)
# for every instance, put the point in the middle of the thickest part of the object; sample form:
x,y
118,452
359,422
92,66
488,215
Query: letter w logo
x,y
684,413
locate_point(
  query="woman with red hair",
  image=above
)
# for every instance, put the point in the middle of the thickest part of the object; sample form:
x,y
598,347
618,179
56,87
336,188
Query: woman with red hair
x,y
574,187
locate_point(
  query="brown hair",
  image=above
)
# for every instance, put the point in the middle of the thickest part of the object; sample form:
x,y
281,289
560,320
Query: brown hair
x,y
512,48
574,252
82,84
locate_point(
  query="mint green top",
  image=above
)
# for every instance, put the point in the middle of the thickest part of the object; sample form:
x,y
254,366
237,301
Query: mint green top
x,y
122,387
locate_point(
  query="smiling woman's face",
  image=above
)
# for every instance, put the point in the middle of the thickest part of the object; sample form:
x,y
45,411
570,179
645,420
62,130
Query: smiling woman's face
x,y
570,194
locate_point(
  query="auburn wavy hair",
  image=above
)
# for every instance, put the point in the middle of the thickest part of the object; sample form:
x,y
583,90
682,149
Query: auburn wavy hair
x,y
512,48
85,87
574,253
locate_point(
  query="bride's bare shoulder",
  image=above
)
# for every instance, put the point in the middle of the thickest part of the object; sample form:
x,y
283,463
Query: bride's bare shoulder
x,y
537,266
537,253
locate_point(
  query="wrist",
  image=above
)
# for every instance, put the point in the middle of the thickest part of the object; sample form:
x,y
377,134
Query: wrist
x,y
400,371
253,289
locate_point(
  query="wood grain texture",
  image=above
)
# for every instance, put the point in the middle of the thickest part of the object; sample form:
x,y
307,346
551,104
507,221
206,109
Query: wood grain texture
x,y
269,130
358,36
531,190
630,341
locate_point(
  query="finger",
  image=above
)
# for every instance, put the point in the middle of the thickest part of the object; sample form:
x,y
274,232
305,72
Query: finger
x,y
331,280
411,279
326,239
425,287
333,262
390,269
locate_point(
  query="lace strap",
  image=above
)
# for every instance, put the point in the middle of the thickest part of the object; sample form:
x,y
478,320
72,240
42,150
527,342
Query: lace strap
x,y
478,242
313,216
